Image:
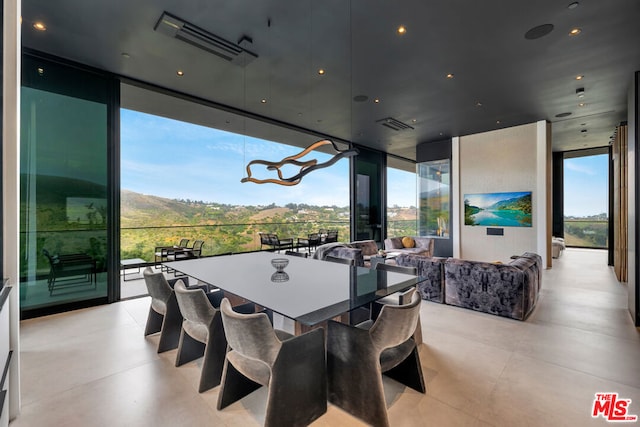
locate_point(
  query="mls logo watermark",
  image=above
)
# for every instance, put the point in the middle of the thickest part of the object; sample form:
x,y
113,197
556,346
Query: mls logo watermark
x,y
612,408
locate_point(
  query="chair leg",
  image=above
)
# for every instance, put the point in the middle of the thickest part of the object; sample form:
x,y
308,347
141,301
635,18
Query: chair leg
x,y
234,386
171,326
188,349
409,372
154,322
214,356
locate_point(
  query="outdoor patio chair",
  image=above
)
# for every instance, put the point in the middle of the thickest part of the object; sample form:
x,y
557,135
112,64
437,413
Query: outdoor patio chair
x,y
274,242
70,270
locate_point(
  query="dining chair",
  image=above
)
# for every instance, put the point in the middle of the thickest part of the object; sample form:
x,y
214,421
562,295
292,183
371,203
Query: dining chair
x,y
164,313
292,367
202,334
298,254
338,260
398,298
357,356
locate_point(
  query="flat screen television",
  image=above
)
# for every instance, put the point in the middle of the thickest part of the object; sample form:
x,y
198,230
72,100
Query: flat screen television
x,y
498,209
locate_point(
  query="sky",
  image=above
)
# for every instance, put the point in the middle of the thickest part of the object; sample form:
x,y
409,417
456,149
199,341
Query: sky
x,y
586,185
178,160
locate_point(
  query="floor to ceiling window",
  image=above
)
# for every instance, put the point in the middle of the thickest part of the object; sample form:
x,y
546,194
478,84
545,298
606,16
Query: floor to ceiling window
x,y
586,201
402,212
63,185
181,180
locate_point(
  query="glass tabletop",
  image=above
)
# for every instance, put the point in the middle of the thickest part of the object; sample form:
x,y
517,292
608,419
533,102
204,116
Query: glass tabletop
x,y
307,290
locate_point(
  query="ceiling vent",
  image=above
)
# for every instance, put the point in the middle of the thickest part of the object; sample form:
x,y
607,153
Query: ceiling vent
x,y
196,36
394,124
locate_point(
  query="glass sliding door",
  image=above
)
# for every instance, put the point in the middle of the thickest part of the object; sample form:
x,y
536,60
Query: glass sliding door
x,y
63,186
369,205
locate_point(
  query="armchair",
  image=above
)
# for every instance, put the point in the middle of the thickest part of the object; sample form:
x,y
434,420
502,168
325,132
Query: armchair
x,y
357,356
164,314
292,367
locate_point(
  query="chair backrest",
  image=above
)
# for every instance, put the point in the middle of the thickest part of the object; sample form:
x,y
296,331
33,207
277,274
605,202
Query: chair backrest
x,y
332,236
395,323
338,260
273,239
251,335
294,253
314,238
157,285
264,238
397,268
197,248
194,304
51,259
183,243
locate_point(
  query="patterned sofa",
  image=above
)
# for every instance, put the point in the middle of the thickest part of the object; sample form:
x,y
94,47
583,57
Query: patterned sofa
x,y
432,268
423,245
509,290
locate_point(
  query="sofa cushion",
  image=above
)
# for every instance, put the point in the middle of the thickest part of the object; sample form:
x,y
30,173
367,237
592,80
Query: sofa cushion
x,y
408,242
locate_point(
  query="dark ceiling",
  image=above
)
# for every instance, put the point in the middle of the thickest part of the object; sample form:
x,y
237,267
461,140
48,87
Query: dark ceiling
x,y
500,78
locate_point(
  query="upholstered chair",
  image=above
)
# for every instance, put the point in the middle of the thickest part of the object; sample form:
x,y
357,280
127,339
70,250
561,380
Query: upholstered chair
x,y
339,260
398,298
164,313
202,333
292,367
358,356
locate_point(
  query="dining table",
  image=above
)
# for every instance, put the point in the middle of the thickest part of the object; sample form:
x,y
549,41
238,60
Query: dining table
x,y
309,291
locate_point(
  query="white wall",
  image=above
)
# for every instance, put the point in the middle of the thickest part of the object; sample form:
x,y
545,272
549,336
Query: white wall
x,y
505,160
10,183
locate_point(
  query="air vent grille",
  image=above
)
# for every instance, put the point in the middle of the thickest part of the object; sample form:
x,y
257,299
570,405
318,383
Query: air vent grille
x,y
394,124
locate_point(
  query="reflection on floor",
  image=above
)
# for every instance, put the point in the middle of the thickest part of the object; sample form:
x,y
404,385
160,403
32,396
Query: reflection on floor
x,y
93,367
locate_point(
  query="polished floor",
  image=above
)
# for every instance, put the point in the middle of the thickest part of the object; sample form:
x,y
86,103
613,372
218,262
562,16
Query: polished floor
x,y
93,367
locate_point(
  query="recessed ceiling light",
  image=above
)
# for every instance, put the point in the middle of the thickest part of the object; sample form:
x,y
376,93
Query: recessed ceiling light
x,y
321,71
377,101
40,71
180,73
414,120
450,76
39,26
582,104
575,31
580,92
498,122
402,30
579,77
264,101
125,55
478,104
573,5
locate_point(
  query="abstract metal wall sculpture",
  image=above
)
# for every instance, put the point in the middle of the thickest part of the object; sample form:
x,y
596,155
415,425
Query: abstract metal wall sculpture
x,y
305,166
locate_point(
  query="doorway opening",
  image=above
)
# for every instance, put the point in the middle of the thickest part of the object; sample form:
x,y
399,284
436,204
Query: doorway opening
x,y
586,199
